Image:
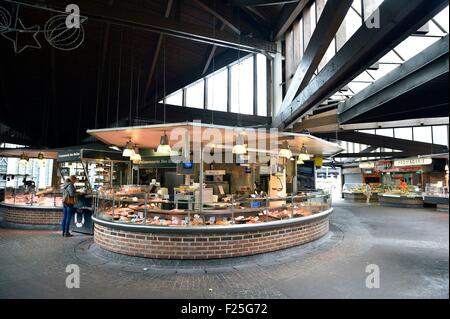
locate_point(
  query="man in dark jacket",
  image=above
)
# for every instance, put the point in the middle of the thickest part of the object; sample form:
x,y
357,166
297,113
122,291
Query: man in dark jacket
x,y
69,195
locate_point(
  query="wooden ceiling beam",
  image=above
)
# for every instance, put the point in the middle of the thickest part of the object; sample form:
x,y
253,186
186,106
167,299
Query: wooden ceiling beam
x,y
289,13
221,13
157,50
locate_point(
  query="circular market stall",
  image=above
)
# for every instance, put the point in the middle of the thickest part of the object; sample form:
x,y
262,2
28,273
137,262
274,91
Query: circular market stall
x,y
136,225
213,217
31,211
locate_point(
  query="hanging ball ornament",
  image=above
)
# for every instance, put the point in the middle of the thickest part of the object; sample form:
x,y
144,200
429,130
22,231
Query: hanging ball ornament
x,y
62,37
5,19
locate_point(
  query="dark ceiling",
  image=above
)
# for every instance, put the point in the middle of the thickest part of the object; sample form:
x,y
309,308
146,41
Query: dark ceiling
x,y
54,96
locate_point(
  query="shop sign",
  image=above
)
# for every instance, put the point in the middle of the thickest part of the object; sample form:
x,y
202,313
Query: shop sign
x,y
367,165
383,165
413,162
351,170
217,172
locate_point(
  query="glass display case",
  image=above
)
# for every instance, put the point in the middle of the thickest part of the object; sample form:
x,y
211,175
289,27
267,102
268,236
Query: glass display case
x,y
411,191
134,205
44,198
436,190
353,188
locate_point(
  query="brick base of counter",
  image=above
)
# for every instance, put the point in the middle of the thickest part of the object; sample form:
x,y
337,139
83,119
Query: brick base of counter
x,y
37,218
207,245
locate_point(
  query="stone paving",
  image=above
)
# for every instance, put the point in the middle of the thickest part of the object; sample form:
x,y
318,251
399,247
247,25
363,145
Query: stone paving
x,y
410,246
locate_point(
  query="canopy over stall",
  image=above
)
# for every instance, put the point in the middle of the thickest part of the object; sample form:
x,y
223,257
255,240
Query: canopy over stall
x,y
149,137
30,153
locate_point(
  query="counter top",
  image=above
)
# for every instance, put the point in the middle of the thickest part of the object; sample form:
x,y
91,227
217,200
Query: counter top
x,y
212,229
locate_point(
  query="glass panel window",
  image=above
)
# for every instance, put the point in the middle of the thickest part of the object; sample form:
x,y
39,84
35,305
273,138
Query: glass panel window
x,y
411,46
175,98
313,17
242,87
217,91
443,19
404,133
261,64
422,134
385,132
440,135
195,95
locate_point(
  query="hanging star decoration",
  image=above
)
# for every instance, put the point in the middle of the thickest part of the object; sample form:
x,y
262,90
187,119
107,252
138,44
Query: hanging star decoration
x,y
23,37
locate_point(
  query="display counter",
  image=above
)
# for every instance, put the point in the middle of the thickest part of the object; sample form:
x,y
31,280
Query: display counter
x,y
436,195
407,200
32,209
145,225
356,192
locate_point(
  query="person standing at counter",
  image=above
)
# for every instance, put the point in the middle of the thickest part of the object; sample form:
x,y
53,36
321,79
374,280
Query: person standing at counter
x,y
69,194
368,192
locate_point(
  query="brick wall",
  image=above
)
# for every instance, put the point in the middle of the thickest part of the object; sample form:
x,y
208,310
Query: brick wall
x,y
32,216
208,245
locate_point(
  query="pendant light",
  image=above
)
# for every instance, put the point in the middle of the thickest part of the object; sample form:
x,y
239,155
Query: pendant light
x,y
304,156
41,160
285,150
164,146
239,148
300,161
128,151
136,158
23,159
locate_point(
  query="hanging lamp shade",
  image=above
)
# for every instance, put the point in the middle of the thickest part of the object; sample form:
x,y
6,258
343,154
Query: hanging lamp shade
x,y
128,151
285,150
300,161
239,148
41,160
304,156
23,159
136,158
164,146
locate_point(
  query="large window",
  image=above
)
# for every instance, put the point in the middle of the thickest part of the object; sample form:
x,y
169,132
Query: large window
x,y
175,98
261,66
217,91
242,87
195,95
217,87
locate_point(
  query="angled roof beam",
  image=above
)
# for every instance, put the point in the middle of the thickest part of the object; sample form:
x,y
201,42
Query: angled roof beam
x,y
211,52
385,142
289,13
137,19
255,3
157,49
422,68
398,20
222,16
331,19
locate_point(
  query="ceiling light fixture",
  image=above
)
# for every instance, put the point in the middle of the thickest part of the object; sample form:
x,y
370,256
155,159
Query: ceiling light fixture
x,y
136,158
239,148
128,151
285,150
164,146
304,156
23,159
41,160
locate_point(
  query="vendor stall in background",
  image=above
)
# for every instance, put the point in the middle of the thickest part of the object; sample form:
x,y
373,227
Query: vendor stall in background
x,y
32,196
195,206
408,182
96,167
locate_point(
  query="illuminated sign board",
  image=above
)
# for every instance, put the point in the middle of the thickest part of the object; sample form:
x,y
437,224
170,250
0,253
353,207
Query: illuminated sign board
x,y
413,162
